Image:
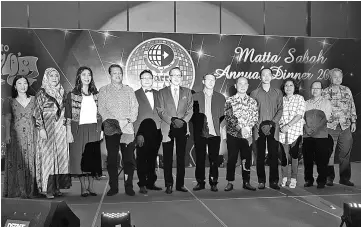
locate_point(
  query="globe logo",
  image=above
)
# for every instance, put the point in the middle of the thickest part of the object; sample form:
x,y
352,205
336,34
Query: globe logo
x,y
159,55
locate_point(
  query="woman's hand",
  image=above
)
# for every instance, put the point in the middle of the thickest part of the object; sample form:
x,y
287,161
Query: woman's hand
x,y
7,139
69,137
42,134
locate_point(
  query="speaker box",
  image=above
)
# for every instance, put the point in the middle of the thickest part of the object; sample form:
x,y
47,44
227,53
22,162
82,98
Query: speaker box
x,y
37,213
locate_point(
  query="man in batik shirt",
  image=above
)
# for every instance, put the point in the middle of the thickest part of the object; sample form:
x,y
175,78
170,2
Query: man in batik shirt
x,y
241,114
340,126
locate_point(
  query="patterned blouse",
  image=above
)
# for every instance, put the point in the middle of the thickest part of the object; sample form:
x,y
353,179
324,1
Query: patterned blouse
x,y
343,106
242,112
295,105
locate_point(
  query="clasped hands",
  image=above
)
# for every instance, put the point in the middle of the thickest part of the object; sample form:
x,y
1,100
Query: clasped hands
x,y
177,123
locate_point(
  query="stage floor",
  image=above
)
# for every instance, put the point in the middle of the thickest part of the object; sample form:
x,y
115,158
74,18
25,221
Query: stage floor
x,y
286,207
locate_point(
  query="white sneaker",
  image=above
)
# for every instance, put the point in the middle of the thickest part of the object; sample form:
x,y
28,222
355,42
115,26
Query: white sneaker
x,y
293,183
284,182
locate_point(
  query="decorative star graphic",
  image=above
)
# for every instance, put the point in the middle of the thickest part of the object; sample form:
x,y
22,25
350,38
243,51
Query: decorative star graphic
x,y
199,52
324,43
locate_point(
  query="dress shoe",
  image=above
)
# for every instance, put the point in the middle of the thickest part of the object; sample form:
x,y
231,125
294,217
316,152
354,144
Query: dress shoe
x,y
329,183
112,192
154,187
308,184
199,187
320,185
168,190
182,189
214,188
261,186
142,190
248,186
129,191
275,186
347,183
229,187
91,193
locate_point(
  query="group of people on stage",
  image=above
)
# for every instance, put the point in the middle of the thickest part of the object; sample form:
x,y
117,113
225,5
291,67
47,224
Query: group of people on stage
x,y
55,136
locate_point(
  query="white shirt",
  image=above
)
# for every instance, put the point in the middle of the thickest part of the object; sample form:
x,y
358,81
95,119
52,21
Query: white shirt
x,y
208,112
150,98
88,111
175,96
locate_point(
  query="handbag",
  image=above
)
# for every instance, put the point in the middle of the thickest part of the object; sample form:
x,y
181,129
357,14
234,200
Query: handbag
x,y
91,159
111,127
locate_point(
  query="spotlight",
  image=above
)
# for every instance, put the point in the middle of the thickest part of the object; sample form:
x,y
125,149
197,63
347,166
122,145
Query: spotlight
x,y
116,219
351,215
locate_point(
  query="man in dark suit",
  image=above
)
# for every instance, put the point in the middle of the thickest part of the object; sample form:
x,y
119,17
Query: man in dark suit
x,y
175,110
208,109
148,133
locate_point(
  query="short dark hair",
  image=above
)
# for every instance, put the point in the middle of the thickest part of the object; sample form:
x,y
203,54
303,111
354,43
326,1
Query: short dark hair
x,y
145,71
297,86
260,72
317,81
174,68
115,66
211,74
14,92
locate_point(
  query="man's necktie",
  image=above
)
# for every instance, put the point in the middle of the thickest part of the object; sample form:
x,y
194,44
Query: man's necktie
x,y
176,97
148,90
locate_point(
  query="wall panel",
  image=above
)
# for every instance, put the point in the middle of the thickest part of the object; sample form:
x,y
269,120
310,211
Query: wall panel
x,y
54,14
14,14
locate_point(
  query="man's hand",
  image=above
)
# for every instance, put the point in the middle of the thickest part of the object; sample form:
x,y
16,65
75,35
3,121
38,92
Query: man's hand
x,y
140,141
177,123
245,131
353,127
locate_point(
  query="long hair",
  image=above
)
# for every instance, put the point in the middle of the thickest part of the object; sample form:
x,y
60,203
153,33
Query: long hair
x,y
295,84
79,85
14,92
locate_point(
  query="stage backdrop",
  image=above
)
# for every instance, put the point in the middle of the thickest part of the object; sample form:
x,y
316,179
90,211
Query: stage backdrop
x,y
30,51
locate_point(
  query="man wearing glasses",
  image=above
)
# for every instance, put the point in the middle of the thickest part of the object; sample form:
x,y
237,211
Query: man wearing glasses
x,y
317,146
175,110
208,108
148,134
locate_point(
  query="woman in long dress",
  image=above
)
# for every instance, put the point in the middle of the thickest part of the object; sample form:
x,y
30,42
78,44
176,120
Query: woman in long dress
x,y
52,157
19,177
83,128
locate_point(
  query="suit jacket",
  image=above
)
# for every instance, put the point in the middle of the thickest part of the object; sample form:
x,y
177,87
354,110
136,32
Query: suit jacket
x,y
217,109
145,110
167,109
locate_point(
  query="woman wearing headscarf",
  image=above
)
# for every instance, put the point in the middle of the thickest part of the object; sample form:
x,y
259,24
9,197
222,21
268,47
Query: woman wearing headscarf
x,y
52,167
19,176
83,130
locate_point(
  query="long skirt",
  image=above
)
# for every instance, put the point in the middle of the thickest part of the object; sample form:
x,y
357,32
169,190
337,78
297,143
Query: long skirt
x,y
83,135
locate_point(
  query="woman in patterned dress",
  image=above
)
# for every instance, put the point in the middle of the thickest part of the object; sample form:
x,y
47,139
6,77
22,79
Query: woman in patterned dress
x,y
291,129
52,157
83,127
19,178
